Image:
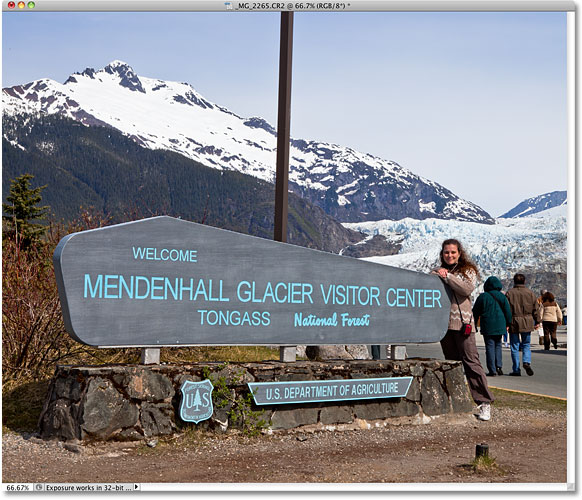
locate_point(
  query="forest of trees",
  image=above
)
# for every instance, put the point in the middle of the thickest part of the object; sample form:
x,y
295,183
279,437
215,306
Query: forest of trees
x,y
99,167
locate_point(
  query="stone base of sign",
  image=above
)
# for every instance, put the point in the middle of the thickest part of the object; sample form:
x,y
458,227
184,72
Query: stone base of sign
x,y
135,402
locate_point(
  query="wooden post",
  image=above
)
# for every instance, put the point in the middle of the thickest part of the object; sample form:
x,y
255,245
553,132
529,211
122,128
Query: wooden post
x,y
283,127
288,353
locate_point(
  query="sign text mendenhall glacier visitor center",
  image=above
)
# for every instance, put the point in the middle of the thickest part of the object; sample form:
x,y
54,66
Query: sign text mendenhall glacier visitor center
x,y
164,281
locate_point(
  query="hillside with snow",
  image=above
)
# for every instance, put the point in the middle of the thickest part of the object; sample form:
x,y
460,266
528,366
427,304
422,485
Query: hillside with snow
x,y
537,204
349,185
534,245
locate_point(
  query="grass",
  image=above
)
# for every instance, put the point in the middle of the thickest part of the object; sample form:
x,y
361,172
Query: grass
x,y
21,406
484,465
238,354
518,400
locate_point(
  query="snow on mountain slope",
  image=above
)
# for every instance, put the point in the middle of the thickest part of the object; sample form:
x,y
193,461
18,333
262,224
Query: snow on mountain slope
x,y
347,184
511,245
537,204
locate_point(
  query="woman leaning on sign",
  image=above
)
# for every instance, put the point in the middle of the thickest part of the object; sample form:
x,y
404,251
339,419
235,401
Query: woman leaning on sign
x,y
460,275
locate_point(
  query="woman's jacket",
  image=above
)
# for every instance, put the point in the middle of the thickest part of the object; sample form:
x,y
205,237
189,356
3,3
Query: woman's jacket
x,y
492,309
460,287
550,311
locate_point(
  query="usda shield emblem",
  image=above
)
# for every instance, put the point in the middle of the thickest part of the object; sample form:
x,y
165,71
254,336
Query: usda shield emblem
x,y
196,401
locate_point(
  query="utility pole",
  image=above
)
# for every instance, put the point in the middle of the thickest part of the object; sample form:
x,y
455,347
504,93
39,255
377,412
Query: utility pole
x,y
283,139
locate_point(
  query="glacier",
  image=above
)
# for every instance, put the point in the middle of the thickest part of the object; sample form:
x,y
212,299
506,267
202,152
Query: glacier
x,y
537,242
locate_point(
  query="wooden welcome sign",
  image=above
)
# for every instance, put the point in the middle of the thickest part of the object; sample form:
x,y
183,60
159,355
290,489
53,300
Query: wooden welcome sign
x,y
168,282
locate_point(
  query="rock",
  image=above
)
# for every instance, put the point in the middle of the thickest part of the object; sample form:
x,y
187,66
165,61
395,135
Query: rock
x,y
157,419
457,387
413,393
358,351
105,411
369,411
401,407
233,375
433,397
67,388
395,407
322,352
184,377
336,415
59,421
289,418
148,385
130,434
417,370
72,447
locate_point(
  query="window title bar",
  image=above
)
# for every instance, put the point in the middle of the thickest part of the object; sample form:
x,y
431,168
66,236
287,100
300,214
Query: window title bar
x,y
286,6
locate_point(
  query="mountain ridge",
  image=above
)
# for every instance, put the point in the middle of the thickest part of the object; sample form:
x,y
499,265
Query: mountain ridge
x,y
62,155
537,204
157,114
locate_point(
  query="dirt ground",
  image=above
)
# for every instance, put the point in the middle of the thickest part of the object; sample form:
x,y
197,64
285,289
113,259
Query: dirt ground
x,y
527,445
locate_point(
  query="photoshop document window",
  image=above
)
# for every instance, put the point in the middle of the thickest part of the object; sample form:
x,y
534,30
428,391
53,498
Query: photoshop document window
x,y
237,236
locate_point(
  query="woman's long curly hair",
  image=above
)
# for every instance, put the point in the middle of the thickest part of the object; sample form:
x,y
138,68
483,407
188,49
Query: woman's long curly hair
x,y
465,263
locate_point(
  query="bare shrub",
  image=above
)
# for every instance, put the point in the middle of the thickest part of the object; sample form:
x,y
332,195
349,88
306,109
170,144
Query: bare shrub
x,y
33,334
34,338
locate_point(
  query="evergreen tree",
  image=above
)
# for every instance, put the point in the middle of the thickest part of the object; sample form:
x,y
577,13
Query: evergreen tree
x,y
22,213
197,400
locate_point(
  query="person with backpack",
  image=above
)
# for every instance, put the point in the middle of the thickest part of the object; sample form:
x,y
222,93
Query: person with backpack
x,y
492,311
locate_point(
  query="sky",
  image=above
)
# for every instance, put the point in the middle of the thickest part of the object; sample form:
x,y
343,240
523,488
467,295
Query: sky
x,y
473,101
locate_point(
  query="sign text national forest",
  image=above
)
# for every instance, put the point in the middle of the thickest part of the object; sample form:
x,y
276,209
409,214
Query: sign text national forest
x,y
167,282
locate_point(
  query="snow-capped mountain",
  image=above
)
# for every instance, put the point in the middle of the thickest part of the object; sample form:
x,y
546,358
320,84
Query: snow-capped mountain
x,y
537,204
535,245
157,114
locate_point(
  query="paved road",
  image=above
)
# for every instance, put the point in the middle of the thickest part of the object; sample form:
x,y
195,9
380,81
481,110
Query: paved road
x,y
550,370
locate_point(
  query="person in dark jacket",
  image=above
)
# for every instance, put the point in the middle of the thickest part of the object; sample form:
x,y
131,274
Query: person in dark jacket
x,y
493,312
524,319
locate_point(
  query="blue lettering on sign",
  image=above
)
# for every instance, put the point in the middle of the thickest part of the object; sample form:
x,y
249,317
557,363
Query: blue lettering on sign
x,y
114,286
165,254
234,318
313,320
346,320
93,290
404,297
282,293
351,295
153,288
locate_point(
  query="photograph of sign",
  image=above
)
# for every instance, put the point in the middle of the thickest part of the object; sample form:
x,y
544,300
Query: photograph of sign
x,y
168,282
317,391
196,401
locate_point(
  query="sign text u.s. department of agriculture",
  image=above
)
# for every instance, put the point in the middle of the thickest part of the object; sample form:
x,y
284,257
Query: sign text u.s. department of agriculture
x,y
164,281
317,391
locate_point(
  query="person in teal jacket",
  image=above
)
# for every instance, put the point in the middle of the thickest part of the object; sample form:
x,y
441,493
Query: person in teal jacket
x,y
494,313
